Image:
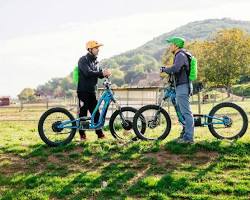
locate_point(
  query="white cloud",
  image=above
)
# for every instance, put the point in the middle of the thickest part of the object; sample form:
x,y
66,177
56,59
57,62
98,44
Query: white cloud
x,y
34,59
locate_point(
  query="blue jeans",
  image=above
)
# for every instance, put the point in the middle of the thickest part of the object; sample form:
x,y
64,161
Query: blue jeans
x,y
182,99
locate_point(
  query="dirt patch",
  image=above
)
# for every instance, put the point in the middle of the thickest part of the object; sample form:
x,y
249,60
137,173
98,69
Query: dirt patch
x,y
78,149
203,157
171,160
54,160
10,164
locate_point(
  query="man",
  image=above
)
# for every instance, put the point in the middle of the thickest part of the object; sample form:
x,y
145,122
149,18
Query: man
x,y
89,73
180,70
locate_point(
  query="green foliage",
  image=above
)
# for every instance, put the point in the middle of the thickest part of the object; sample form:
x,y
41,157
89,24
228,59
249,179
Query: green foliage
x,y
228,57
118,77
27,95
244,79
57,87
222,57
241,90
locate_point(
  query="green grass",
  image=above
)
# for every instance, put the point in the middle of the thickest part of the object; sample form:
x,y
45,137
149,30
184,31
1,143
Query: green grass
x,y
108,169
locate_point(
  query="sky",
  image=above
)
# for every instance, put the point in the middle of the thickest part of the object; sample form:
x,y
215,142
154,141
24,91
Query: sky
x,y
43,39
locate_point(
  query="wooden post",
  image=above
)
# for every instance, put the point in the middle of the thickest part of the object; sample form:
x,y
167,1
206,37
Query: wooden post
x,y
127,101
142,91
215,97
21,106
127,97
199,102
242,95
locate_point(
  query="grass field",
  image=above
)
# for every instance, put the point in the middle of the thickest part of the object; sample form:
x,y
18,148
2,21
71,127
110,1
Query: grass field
x,y
109,169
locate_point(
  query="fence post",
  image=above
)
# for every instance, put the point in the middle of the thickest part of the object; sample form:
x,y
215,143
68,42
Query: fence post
x,y
199,102
142,91
242,95
47,103
127,90
127,101
21,106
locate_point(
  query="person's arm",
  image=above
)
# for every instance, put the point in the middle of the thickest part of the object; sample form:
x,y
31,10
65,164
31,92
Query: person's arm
x,y
176,67
86,70
101,76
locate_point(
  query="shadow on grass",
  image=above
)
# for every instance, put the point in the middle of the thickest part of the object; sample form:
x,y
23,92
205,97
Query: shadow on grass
x,y
110,170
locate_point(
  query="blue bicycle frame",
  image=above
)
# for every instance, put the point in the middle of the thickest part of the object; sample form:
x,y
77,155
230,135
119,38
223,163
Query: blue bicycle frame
x,y
107,97
170,93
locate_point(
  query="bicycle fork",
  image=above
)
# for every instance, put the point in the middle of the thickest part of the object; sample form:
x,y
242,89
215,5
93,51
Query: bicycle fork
x,y
118,107
156,118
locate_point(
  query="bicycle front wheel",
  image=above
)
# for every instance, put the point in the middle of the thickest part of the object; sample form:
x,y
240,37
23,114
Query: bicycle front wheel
x,y
227,121
55,127
157,120
121,124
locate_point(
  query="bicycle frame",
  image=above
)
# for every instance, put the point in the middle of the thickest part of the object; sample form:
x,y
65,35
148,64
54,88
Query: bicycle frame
x,y
107,97
170,93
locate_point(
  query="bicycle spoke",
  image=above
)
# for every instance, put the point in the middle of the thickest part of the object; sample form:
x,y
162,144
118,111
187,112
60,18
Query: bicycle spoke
x,y
59,135
227,121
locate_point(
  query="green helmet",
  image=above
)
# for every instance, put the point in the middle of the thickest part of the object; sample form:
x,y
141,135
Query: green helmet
x,y
178,41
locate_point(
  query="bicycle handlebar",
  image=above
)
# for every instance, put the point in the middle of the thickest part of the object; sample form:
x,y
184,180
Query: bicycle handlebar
x,y
107,83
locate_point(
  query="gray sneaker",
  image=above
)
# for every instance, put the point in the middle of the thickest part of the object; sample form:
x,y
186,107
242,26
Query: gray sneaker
x,y
177,139
184,141
180,137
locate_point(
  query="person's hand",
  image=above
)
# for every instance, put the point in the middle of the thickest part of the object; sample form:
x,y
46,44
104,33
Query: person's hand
x,y
107,73
163,74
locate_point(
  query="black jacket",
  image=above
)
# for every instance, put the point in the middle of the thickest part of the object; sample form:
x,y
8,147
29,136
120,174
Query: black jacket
x,y
88,74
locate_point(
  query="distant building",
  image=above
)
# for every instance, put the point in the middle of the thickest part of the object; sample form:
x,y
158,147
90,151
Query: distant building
x,y
4,101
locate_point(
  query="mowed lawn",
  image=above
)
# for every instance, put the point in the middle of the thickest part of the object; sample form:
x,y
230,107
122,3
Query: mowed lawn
x,y
110,169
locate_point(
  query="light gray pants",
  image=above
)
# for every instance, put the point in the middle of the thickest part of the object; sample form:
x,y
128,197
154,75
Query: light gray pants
x,y
182,99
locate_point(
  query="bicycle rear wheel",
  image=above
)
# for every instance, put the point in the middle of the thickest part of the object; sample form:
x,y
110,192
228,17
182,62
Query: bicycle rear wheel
x,y
227,121
52,127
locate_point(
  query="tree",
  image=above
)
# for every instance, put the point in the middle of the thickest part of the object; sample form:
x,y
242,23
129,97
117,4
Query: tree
x,y
27,94
59,92
117,77
223,60
227,58
109,63
132,77
200,50
150,64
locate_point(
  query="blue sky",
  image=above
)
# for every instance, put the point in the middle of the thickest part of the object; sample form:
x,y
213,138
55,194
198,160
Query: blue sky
x,y
42,39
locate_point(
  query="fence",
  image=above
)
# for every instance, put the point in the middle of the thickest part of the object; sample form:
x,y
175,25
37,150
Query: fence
x,y
135,97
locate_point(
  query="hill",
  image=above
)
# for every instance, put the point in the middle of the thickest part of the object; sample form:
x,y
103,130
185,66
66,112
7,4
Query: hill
x,y
135,64
135,67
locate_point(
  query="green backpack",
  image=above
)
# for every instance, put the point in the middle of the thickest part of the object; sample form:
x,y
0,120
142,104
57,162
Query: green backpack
x,y
193,72
76,75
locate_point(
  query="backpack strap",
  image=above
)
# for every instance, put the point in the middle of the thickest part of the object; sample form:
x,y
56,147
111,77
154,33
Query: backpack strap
x,y
189,57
